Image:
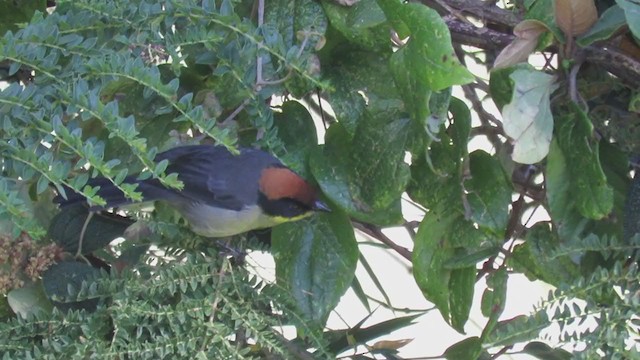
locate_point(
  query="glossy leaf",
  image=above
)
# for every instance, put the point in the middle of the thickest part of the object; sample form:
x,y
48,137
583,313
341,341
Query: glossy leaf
x,y
316,260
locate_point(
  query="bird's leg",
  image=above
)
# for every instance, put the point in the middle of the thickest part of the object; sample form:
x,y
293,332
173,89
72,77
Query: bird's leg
x,y
224,249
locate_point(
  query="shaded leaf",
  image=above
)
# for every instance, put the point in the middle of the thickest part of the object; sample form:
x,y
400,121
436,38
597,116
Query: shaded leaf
x,y
63,281
467,349
632,13
316,260
608,23
67,225
470,257
297,131
29,300
372,34
546,352
13,13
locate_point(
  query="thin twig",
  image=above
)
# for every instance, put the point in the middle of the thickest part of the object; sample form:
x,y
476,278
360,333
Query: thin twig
x,y
82,233
377,233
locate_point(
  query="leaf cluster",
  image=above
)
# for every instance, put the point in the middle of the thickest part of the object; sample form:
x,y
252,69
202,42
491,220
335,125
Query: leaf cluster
x,y
96,89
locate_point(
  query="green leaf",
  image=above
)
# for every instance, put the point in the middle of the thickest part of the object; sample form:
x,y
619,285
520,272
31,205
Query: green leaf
x,y
568,223
546,352
343,340
360,294
291,17
374,278
297,131
431,251
527,118
467,349
494,301
63,282
430,42
632,210
541,10
501,85
470,257
518,329
592,193
632,13
316,260
535,256
362,82
348,171
14,13
66,227
608,23
438,182
489,192
29,300
371,34
461,128
461,288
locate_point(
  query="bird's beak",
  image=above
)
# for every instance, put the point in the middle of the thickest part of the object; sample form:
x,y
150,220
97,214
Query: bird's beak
x,y
320,206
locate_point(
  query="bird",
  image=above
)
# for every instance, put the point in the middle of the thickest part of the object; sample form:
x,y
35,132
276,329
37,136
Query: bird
x,y
224,194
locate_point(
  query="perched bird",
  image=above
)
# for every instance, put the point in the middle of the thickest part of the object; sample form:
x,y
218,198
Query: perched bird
x,y
224,194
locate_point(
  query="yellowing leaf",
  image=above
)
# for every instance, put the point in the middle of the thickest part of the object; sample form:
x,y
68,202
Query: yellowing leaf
x,y
575,17
390,344
527,118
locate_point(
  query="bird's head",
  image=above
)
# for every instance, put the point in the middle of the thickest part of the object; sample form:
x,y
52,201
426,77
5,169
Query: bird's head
x,y
285,196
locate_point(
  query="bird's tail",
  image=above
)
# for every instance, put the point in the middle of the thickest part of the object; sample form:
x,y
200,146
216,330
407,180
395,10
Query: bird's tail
x,y
151,190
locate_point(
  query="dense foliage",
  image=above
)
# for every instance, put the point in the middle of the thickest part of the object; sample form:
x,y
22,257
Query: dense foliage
x,y
95,88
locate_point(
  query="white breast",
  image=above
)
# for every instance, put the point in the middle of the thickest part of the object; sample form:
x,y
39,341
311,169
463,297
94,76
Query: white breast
x,y
210,221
